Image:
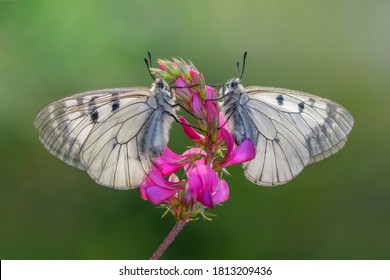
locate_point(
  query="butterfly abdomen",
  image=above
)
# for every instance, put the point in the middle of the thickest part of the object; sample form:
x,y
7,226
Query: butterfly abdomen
x,y
154,135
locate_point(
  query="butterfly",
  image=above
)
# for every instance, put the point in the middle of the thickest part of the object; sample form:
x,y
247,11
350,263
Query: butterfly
x,y
290,129
113,134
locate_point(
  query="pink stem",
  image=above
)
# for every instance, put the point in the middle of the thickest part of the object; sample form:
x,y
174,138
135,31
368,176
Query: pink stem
x,y
170,237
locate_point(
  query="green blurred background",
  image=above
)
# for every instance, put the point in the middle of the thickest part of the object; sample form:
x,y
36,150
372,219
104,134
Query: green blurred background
x,y
336,209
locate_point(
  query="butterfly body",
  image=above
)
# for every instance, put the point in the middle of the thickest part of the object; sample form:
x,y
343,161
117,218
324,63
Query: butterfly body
x,y
154,136
290,129
113,134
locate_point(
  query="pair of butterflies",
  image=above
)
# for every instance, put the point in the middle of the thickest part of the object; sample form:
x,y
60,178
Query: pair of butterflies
x,y
114,134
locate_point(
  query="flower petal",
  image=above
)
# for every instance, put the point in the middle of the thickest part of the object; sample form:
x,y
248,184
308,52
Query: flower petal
x,y
159,194
211,93
195,156
206,199
182,89
244,152
193,75
191,133
156,188
169,162
196,105
228,140
222,192
202,180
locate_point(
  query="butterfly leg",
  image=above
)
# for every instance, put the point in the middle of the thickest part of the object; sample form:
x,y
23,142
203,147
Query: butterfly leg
x,y
186,124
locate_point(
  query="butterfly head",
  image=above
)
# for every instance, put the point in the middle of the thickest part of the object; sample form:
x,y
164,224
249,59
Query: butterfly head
x,y
162,86
233,86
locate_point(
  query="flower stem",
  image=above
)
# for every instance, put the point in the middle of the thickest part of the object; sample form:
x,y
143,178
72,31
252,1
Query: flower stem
x,y
169,239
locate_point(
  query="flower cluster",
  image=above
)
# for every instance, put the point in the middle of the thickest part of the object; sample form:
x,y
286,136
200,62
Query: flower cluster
x,y
204,164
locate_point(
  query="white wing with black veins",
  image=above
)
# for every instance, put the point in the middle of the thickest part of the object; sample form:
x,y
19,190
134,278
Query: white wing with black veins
x,y
104,131
290,129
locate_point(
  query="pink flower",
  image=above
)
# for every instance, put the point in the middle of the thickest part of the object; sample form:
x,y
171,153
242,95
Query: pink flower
x,y
211,93
201,184
197,106
169,162
197,155
162,67
204,186
193,75
182,90
157,189
242,153
211,106
191,132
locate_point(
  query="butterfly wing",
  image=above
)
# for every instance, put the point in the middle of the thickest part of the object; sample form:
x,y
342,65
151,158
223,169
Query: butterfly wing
x,y
290,129
101,132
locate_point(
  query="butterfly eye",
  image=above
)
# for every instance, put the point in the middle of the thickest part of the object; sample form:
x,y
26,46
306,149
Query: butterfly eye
x,y
160,85
233,85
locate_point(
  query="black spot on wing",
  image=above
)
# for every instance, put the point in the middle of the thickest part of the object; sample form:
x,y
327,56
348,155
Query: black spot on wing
x,y
92,110
114,102
94,116
280,99
301,106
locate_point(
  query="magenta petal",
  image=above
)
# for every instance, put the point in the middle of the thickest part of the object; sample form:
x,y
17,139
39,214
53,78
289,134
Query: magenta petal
x,y
182,90
195,182
208,177
195,151
202,180
196,105
244,152
211,93
197,155
156,188
211,106
180,83
158,194
156,178
222,192
206,199
212,111
193,75
168,156
169,162
191,133
211,177
143,194
229,141
222,124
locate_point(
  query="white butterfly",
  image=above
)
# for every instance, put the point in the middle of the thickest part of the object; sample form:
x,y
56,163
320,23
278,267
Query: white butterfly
x,y
113,134
289,129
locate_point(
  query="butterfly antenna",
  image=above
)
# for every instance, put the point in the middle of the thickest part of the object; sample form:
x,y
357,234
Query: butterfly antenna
x,y
148,66
150,58
238,67
243,65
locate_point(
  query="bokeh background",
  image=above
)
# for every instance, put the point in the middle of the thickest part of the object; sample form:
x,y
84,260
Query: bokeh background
x,y
336,209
